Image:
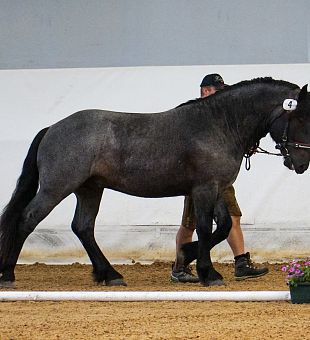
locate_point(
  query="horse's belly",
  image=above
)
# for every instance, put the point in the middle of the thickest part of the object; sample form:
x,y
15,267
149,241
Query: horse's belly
x,y
150,186
144,179
150,192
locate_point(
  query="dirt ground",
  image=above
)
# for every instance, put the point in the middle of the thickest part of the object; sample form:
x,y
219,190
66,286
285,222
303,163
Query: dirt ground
x,y
148,320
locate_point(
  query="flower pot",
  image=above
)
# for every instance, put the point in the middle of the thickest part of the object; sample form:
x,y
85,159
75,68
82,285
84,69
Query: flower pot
x,y
300,293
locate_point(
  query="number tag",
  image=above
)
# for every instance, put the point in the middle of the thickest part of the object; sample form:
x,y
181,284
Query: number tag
x,y
289,104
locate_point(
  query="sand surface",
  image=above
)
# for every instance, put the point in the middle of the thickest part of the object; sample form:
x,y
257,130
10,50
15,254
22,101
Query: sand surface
x,y
148,320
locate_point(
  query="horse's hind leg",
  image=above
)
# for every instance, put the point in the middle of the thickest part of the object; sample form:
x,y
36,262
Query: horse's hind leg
x,y
88,200
39,207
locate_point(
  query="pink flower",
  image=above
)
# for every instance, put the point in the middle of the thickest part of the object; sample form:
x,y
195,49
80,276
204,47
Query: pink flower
x,y
297,271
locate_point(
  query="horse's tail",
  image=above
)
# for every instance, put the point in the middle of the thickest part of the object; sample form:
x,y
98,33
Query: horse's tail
x,y
26,188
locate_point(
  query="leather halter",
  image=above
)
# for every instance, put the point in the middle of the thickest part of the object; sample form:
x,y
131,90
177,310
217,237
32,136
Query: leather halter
x,y
281,146
284,143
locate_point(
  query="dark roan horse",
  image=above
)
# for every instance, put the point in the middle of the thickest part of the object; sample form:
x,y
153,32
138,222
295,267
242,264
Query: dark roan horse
x,y
196,148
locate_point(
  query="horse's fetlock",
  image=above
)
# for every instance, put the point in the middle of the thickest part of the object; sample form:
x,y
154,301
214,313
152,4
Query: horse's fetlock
x,y
99,276
202,271
7,276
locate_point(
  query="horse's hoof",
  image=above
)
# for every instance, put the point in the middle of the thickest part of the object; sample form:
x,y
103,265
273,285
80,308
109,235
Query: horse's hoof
x,y
116,282
216,283
7,284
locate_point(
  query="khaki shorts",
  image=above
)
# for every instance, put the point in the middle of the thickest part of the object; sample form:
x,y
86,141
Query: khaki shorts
x,y
189,219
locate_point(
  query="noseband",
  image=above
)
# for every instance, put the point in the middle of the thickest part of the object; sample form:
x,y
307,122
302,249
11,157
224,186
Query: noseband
x,y
284,143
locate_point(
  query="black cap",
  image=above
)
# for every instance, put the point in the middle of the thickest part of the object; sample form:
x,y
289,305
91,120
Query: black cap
x,y
213,79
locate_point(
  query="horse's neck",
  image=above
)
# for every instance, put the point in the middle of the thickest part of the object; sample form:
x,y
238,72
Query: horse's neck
x,y
253,115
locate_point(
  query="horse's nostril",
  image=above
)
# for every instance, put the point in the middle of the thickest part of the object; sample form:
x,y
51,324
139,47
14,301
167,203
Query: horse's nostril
x,y
288,163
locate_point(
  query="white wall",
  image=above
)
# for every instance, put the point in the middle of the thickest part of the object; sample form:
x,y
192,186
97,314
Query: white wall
x,y
274,200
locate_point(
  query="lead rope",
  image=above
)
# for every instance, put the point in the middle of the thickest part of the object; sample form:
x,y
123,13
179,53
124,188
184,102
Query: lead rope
x,y
249,154
247,162
256,149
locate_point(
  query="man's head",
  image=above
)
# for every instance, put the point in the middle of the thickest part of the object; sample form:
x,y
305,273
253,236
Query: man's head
x,y
210,84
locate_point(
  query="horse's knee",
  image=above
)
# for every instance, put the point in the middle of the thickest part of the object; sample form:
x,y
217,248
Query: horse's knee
x,y
222,217
82,231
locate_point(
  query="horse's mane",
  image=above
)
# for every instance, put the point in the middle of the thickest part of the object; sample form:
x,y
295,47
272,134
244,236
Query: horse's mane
x,y
264,80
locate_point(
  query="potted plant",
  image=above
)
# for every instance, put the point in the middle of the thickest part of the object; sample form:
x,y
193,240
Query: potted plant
x,y
298,280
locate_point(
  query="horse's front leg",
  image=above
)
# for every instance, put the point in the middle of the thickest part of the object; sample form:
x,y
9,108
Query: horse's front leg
x,y
223,222
189,251
204,201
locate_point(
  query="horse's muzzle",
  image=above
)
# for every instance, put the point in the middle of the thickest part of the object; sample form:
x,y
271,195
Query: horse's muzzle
x,y
301,169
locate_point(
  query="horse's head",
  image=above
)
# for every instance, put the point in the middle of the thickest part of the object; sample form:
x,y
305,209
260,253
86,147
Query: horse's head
x,y
292,132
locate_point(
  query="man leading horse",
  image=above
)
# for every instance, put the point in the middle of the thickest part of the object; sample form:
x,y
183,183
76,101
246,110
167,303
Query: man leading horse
x,y
244,268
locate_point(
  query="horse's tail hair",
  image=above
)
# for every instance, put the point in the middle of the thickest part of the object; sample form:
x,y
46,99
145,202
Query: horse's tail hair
x,y
26,188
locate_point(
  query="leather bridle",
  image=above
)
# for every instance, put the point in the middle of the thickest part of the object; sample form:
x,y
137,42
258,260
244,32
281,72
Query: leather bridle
x,y
282,146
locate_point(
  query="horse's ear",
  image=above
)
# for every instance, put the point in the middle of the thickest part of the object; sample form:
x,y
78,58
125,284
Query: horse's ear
x,y
303,93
